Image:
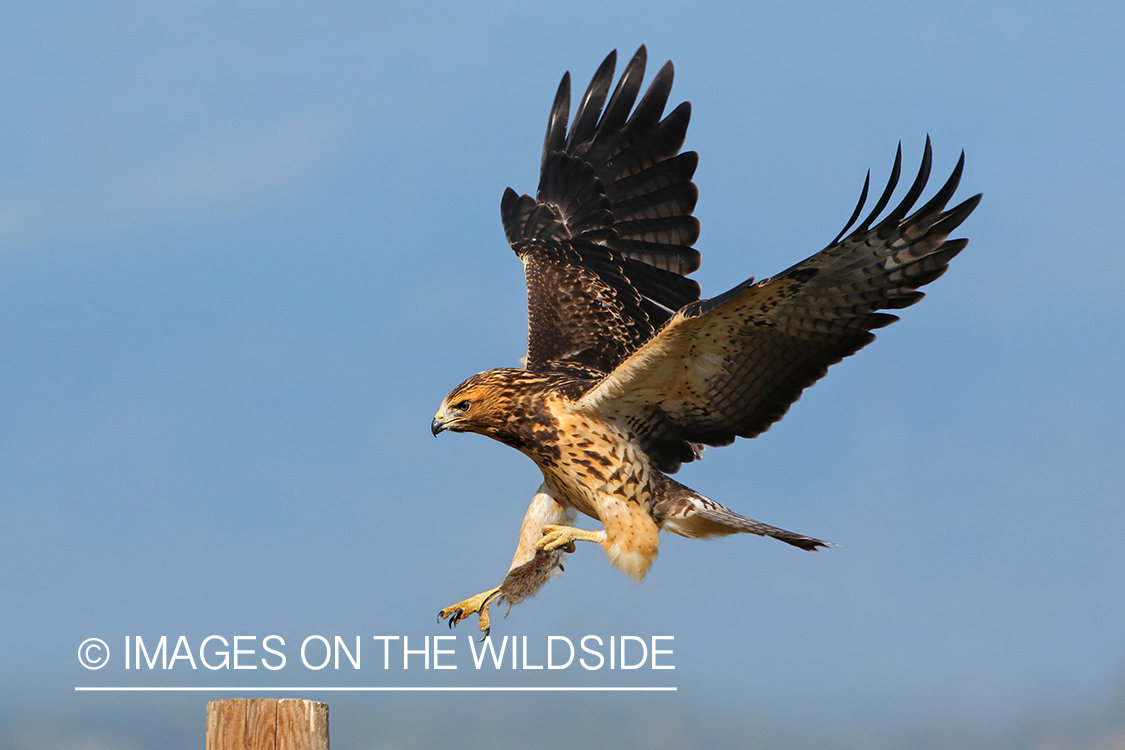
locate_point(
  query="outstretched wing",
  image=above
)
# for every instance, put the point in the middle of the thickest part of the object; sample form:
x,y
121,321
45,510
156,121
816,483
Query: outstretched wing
x,y
608,239
731,366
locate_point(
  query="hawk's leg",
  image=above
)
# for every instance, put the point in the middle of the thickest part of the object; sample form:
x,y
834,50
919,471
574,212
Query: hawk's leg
x,y
564,537
531,567
474,605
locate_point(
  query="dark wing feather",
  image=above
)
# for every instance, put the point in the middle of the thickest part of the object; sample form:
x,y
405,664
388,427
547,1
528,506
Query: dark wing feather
x,y
607,241
731,366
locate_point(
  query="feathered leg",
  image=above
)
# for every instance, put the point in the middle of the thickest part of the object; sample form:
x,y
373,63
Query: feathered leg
x,y
530,568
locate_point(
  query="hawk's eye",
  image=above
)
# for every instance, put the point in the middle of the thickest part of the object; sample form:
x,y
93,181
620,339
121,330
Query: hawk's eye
x,y
463,406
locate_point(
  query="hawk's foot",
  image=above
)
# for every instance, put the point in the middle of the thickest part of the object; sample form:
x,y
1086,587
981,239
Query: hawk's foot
x,y
477,605
564,537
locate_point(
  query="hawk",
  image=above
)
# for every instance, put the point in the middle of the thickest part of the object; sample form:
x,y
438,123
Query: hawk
x,y
628,373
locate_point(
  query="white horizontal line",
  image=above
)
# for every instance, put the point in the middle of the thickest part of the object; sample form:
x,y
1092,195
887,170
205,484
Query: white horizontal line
x,y
379,689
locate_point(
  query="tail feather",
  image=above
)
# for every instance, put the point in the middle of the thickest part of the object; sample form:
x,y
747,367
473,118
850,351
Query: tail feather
x,y
728,518
684,511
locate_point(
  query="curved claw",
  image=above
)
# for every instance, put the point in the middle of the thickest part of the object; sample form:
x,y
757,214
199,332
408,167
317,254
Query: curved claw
x,y
563,538
477,605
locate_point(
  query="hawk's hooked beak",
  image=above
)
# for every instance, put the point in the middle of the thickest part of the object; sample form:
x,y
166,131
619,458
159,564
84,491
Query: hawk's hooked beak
x,y
438,425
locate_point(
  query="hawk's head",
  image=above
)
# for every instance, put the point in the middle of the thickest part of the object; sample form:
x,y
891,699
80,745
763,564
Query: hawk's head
x,y
485,403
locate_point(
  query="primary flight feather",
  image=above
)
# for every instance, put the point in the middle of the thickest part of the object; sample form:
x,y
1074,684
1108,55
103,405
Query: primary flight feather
x,y
628,373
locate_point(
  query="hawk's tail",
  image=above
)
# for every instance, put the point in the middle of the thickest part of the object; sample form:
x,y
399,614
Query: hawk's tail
x,y
735,522
684,511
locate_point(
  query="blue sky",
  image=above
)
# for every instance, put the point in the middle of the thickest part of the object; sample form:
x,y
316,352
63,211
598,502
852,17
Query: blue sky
x,y
246,248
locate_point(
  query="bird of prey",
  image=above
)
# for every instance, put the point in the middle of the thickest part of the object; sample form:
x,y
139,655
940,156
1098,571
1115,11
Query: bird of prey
x,y
628,373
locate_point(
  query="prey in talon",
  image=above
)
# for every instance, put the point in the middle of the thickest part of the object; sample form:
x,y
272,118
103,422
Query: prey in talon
x,y
628,372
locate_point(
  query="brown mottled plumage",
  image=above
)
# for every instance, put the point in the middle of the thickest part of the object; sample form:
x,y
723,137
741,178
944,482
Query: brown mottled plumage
x,y
628,373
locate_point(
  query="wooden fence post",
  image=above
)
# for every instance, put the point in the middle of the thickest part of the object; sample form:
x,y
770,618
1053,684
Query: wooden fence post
x,y
267,724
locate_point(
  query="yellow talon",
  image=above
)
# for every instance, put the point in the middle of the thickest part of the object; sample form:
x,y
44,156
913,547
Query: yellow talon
x,y
477,605
564,537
